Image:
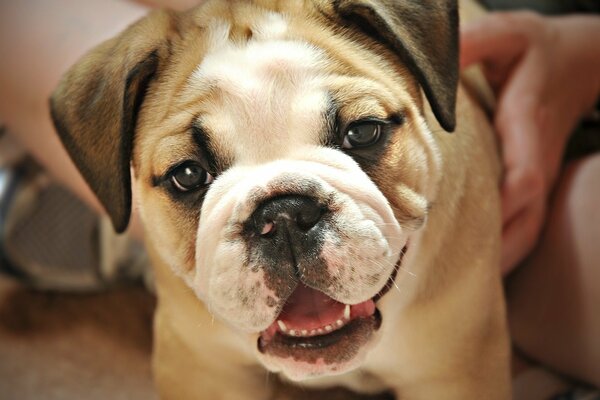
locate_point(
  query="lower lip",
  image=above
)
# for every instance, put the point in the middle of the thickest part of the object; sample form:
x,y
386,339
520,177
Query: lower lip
x,y
339,346
336,347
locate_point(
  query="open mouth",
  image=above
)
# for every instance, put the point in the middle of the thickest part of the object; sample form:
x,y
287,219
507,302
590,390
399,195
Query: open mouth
x,y
314,327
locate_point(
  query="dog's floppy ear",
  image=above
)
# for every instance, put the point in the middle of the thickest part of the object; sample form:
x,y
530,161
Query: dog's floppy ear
x,y
95,108
424,33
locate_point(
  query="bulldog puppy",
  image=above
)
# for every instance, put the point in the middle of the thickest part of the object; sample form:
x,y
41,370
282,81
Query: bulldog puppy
x,y
308,214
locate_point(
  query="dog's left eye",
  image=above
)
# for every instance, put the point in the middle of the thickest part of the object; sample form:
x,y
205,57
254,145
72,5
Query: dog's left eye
x,y
362,134
190,176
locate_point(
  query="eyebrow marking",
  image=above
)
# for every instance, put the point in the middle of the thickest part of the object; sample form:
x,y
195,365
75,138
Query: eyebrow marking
x,y
202,140
331,116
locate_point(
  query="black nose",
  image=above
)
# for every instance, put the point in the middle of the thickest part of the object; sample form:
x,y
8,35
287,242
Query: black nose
x,y
293,214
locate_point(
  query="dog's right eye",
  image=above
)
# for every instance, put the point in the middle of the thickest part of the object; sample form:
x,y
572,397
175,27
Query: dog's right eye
x,y
363,134
190,176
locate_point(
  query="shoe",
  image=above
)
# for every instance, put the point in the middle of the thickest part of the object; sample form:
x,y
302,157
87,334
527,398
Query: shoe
x,y
51,240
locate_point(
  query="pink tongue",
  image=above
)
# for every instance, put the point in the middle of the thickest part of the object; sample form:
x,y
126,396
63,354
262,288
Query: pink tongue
x,y
308,309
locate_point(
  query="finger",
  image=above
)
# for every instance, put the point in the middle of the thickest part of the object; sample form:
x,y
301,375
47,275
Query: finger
x,y
519,237
517,125
522,186
523,192
491,38
523,181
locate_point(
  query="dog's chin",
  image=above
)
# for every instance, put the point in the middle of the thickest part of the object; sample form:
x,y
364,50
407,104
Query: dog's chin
x,y
315,335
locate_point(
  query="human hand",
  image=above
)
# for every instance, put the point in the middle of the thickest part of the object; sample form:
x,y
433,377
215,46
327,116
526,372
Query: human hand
x,y
546,75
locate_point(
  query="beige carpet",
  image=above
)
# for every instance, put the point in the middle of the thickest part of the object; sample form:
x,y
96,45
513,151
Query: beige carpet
x,y
61,346
88,346
97,346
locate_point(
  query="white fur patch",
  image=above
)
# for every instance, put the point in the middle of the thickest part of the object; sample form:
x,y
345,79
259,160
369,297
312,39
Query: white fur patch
x,y
273,94
218,34
271,26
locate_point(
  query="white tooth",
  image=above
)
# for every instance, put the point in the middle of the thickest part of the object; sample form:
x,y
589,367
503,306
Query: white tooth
x,y
320,331
304,333
328,328
282,326
313,332
339,322
292,332
347,312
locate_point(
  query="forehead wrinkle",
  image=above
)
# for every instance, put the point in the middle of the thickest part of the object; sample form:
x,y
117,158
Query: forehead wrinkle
x,y
159,128
272,25
235,67
362,97
260,106
291,117
217,32
172,149
354,88
351,58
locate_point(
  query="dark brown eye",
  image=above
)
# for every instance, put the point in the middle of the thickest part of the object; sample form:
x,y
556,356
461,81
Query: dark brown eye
x,y
190,176
362,134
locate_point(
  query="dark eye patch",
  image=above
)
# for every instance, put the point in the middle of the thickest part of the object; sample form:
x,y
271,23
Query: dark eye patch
x,y
187,181
365,139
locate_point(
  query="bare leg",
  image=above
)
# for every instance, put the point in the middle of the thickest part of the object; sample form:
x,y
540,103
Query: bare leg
x,y
554,300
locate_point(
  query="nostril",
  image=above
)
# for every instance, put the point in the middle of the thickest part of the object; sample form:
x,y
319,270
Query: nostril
x,y
293,213
308,217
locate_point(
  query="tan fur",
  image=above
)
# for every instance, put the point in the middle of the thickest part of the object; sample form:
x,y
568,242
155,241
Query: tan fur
x,y
444,333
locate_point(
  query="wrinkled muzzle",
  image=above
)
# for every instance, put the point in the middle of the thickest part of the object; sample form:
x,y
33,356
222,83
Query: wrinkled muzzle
x,y
304,231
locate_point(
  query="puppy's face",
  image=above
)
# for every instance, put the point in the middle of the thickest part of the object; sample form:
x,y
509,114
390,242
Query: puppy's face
x,y
281,164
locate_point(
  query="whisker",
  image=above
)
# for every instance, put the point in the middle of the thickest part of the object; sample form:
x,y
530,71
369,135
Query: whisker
x,y
386,224
406,271
395,237
436,131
